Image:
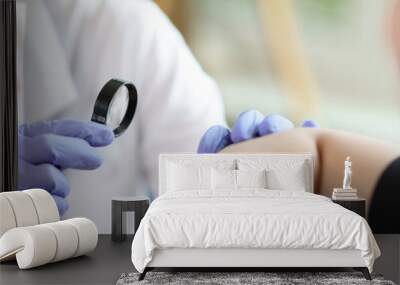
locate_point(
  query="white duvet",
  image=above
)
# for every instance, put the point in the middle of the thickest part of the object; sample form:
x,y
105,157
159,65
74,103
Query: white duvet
x,y
250,219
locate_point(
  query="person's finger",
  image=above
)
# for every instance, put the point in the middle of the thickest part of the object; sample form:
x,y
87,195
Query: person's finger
x,y
61,203
274,124
245,127
94,133
44,176
214,139
310,124
61,151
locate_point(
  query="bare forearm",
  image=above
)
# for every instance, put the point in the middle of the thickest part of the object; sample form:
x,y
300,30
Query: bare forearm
x,y
370,158
330,148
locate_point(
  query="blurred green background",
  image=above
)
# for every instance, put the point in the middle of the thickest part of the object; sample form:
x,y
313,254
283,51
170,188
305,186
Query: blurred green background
x,y
328,60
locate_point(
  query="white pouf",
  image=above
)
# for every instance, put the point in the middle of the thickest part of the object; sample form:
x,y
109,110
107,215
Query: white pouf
x,y
26,208
32,233
23,208
45,205
37,245
7,218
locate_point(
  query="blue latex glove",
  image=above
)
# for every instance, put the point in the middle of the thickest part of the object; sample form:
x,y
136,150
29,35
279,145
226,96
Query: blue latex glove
x,y
215,139
249,125
245,127
273,124
47,148
310,124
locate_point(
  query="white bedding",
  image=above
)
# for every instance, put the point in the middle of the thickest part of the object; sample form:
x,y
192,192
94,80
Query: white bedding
x,y
250,219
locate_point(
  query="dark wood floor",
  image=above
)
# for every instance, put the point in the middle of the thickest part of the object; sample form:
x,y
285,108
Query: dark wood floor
x,y
110,260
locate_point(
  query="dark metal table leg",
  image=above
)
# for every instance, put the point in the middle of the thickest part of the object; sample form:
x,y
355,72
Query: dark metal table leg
x,y
116,217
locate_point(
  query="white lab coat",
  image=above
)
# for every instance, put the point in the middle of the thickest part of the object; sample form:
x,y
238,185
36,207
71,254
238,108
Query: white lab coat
x,y
71,48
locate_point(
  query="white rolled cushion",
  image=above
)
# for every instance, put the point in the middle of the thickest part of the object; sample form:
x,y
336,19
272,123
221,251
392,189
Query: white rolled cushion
x,y
37,245
183,177
223,179
45,205
87,234
33,246
67,239
7,218
251,178
23,208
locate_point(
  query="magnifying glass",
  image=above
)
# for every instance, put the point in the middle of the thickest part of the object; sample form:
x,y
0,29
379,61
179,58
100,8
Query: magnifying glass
x,y
115,105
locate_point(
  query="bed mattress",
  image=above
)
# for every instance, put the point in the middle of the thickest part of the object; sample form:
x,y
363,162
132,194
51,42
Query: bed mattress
x,y
250,219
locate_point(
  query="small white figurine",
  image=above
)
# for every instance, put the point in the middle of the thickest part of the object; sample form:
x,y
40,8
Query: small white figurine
x,y
347,174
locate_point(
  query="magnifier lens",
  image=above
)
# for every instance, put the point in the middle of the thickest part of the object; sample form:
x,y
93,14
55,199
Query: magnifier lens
x,y
115,105
118,108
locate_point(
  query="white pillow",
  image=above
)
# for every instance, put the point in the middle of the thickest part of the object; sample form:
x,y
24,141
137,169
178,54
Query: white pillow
x,y
293,179
223,179
251,178
183,177
288,174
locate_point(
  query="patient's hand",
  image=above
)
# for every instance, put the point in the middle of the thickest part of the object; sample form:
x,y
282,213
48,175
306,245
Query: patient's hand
x,y
249,125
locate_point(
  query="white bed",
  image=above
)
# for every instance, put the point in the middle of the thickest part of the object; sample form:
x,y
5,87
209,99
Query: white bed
x,y
194,223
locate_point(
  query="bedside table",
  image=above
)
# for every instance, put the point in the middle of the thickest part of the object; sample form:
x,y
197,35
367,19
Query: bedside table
x,y
358,206
121,204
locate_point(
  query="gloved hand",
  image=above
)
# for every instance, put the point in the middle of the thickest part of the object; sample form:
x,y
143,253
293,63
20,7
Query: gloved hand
x,y
47,148
250,124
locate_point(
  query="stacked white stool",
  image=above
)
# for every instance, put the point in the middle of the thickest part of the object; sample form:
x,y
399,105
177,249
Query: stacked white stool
x,y
31,231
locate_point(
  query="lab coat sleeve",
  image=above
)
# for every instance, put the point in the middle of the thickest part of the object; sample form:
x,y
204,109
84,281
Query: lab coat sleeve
x,y
135,41
178,101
